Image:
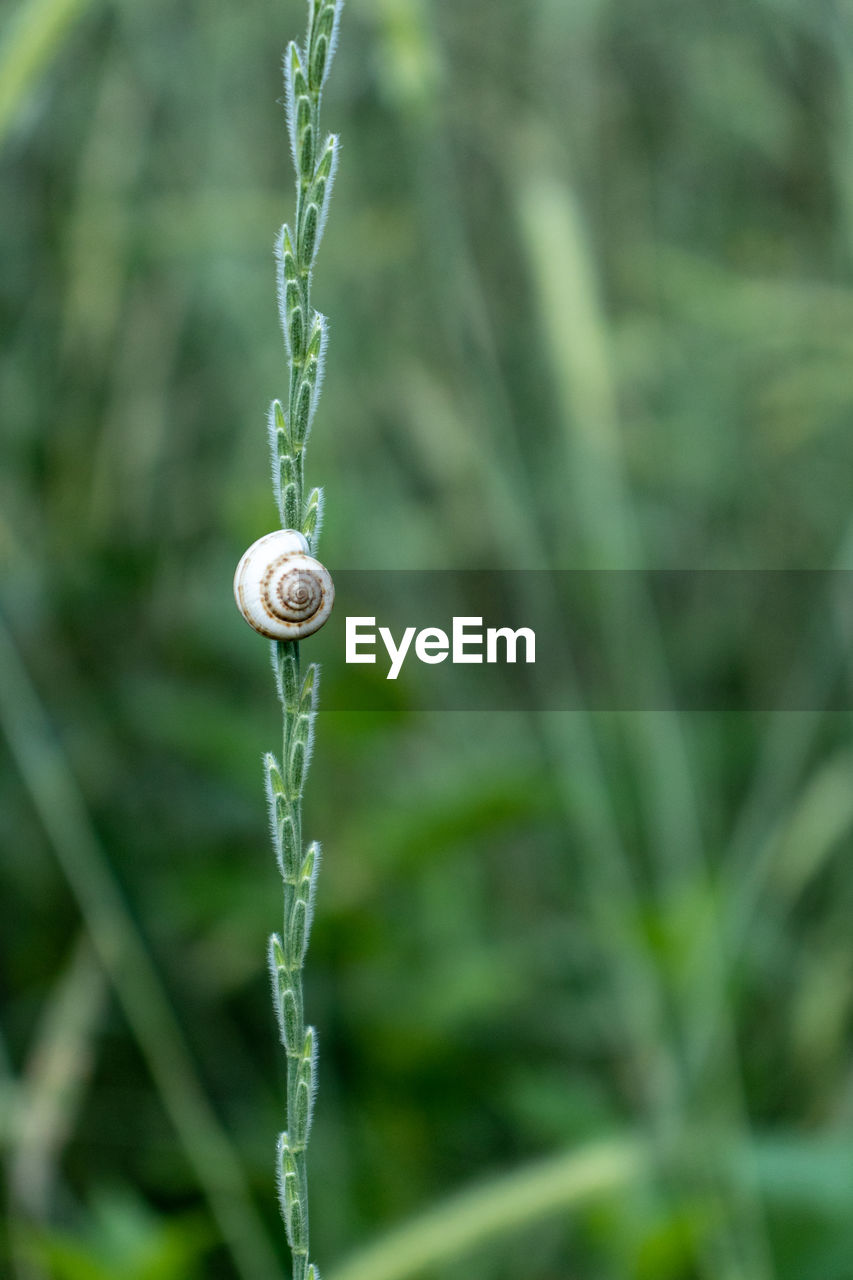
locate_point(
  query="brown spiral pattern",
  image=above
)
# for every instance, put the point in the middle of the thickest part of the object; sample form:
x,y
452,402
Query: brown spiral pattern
x,y
296,592
281,591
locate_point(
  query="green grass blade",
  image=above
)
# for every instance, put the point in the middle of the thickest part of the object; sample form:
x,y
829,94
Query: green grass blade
x,y
122,951
31,39
442,1236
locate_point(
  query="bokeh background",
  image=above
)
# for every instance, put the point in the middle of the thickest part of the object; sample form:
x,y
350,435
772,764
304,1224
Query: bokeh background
x,y
582,982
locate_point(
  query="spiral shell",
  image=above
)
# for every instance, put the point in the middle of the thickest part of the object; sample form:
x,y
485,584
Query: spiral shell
x,y
280,590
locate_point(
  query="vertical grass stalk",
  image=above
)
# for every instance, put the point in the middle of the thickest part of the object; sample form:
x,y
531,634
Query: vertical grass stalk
x,y
305,336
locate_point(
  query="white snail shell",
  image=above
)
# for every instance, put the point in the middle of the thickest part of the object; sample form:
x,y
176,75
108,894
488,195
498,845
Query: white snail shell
x,y
280,590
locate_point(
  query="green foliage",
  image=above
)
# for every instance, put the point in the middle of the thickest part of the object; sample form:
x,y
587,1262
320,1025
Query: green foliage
x,y
125,1239
589,275
306,340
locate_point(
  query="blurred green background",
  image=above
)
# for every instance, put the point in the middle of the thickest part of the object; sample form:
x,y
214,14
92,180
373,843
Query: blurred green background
x,y
582,983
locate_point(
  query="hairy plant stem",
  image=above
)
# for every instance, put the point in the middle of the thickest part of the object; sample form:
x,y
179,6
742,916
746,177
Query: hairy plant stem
x,y
305,336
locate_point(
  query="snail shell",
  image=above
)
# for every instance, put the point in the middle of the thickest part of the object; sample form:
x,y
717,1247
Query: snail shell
x,y
280,590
